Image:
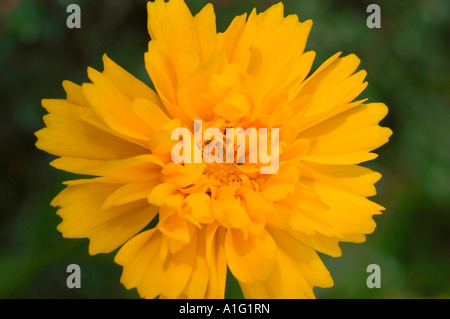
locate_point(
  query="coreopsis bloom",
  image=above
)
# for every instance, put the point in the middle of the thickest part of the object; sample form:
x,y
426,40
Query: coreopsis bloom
x,y
179,226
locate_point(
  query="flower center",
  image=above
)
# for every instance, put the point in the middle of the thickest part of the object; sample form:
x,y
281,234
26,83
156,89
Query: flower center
x,y
224,173
233,174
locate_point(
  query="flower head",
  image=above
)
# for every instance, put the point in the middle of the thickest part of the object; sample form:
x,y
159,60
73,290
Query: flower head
x,y
266,228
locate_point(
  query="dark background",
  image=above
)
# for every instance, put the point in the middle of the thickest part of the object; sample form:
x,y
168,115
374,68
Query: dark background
x,y
408,64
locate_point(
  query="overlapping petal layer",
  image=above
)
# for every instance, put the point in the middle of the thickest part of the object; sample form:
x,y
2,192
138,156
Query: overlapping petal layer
x,y
266,229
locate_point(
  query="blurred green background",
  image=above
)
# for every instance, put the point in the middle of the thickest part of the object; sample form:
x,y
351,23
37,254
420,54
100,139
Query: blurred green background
x,y
408,64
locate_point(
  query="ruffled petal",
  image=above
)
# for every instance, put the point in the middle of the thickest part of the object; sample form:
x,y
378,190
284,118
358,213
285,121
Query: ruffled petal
x,y
349,137
143,268
298,269
83,217
250,259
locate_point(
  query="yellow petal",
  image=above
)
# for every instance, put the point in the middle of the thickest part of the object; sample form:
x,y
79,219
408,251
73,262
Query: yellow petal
x,y
329,79
129,193
234,107
166,194
161,142
287,175
149,112
228,210
288,84
329,92
68,134
349,213
176,227
200,205
75,93
278,41
169,278
349,137
198,283
354,178
320,243
127,83
136,255
277,192
160,67
134,169
305,213
192,93
175,50
114,106
143,269
238,38
182,175
171,23
306,199
252,259
215,257
295,151
83,217
205,28
298,269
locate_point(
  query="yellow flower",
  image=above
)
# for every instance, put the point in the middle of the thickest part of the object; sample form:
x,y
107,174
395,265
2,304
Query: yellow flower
x,y
266,228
